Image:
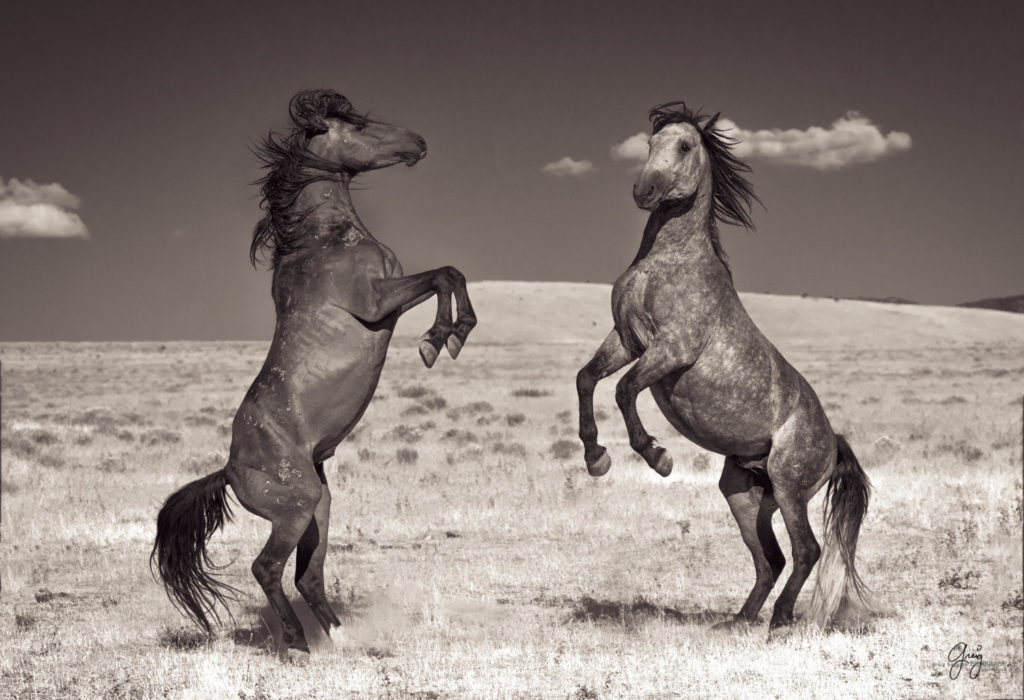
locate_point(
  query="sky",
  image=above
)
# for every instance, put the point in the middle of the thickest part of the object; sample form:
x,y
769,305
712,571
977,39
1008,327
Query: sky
x,y
886,141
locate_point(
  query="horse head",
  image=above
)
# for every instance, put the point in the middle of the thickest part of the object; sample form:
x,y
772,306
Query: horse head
x,y
676,166
342,139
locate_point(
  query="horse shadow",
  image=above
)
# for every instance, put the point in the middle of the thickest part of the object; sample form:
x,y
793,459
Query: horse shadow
x,y
638,612
266,634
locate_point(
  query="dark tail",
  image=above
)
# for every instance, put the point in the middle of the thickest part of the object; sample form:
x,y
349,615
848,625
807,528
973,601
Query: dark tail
x,y
840,597
186,522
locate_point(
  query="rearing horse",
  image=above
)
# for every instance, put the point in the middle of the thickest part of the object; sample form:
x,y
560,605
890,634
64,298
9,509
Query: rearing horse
x,y
719,381
337,292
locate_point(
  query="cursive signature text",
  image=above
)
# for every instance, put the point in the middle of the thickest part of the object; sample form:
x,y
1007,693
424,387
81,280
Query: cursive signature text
x,y
960,656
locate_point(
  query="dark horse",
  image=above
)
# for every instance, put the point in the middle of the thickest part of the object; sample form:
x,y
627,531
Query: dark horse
x,y
338,293
718,380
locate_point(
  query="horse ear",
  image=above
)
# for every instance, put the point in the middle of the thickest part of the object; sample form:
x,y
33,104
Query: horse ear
x,y
710,123
308,110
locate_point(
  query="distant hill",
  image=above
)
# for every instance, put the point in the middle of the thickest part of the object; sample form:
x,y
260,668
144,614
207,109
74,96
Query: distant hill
x,y
567,312
886,300
1013,304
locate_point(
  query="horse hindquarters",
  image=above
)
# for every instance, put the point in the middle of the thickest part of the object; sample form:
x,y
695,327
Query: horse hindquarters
x,y
187,520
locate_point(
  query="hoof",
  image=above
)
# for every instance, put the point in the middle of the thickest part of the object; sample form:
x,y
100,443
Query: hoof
x,y
428,353
296,657
660,461
733,625
601,465
454,346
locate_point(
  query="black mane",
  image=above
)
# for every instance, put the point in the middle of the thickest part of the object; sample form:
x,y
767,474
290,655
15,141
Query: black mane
x,y
290,167
731,191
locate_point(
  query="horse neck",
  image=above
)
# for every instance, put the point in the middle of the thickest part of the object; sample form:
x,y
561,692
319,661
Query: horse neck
x,y
681,227
330,207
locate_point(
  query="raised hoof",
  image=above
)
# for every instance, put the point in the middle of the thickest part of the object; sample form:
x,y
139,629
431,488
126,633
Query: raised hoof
x,y
601,465
454,346
428,353
659,460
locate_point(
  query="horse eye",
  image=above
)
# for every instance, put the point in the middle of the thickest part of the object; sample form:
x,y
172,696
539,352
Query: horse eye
x,y
684,147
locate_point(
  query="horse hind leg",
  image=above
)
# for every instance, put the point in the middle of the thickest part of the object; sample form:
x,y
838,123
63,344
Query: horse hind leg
x,y
309,560
752,504
289,505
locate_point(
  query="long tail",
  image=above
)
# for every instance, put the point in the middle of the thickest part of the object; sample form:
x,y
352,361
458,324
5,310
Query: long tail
x,y
186,521
840,598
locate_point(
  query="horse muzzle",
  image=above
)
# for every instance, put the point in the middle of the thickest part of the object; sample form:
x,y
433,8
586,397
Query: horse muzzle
x,y
646,195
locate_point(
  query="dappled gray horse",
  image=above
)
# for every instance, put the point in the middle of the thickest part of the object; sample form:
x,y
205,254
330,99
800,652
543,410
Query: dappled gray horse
x,y
338,292
719,381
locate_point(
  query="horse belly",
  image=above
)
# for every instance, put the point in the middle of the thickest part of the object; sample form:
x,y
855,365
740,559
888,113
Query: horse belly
x,y
729,418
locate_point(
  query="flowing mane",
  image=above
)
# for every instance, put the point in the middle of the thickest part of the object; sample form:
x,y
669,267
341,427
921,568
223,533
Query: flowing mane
x,y
731,191
291,167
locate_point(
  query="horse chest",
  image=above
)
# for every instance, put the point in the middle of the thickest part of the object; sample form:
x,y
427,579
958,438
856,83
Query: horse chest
x,y
648,308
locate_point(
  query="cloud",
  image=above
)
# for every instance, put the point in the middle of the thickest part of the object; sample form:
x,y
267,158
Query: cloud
x,y
31,210
567,167
633,148
851,140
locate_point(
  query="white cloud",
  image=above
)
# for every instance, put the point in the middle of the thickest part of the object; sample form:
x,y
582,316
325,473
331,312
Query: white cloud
x,y
31,210
851,140
633,148
568,167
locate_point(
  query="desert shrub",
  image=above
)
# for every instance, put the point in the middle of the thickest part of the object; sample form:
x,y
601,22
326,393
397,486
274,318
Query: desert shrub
x,y
416,391
407,455
950,400
99,418
112,465
960,579
203,465
184,639
1014,602
200,420
159,436
49,459
435,403
564,449
515,418
24,621
530,392
472,409
461,437
701,463
509,448
365,454
961,450
406,434
417,409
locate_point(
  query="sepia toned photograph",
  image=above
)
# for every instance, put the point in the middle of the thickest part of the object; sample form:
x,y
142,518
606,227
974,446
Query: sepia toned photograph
x,y
522,349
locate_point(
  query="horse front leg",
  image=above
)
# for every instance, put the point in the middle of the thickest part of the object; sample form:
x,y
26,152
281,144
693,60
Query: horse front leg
x,y
400,294
655,363
609,358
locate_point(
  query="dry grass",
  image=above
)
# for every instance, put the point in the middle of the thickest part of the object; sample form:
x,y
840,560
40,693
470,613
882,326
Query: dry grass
x,y
471,555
